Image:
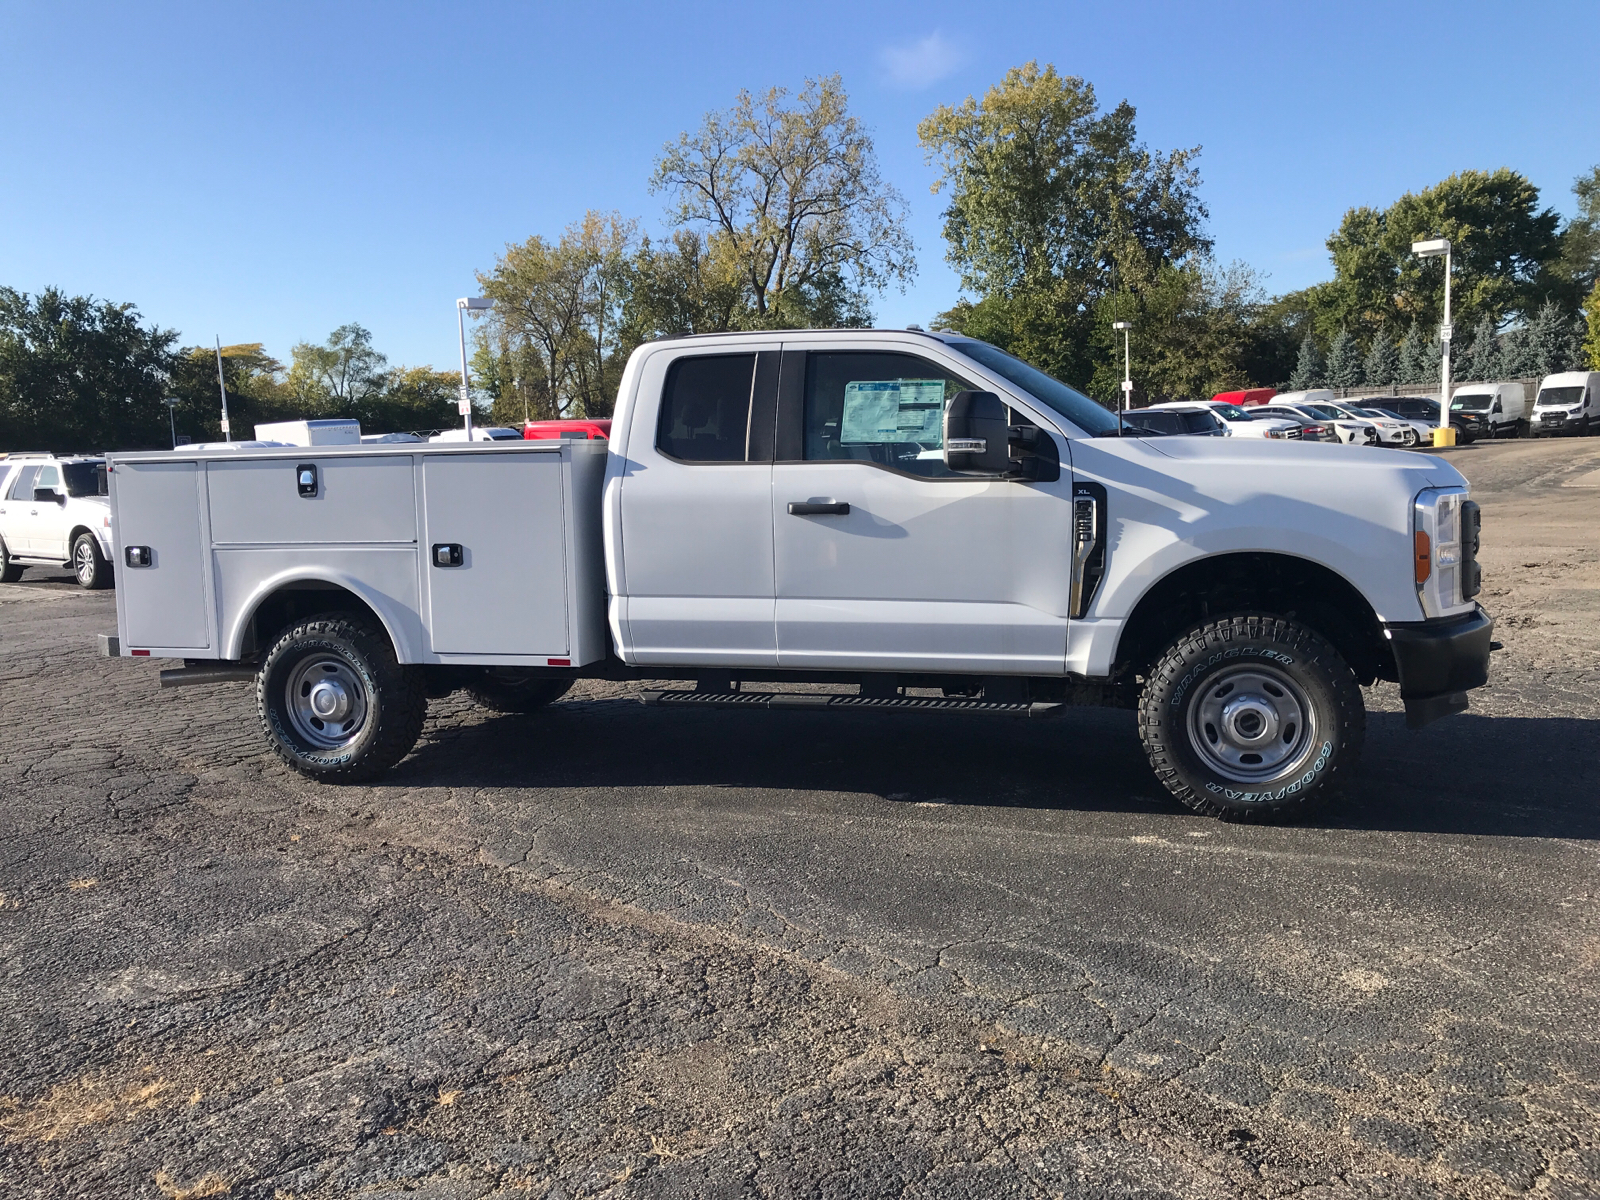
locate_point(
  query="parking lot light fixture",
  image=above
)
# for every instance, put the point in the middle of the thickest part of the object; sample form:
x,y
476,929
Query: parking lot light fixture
x,y
172,403
475,304
1435,248
1127,376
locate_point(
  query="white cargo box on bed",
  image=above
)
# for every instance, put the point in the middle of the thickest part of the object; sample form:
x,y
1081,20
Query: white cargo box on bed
x,y
470,553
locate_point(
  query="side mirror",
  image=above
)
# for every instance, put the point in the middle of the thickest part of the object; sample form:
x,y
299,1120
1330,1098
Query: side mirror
x,y
977,435
48,496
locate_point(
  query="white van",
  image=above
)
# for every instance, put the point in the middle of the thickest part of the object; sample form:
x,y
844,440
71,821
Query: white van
x,y
1502,406
1568,403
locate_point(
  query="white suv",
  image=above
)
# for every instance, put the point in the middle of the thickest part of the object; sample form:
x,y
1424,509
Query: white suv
x,y
55,512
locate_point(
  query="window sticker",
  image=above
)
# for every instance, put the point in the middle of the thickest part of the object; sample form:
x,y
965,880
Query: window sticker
x,y
893,410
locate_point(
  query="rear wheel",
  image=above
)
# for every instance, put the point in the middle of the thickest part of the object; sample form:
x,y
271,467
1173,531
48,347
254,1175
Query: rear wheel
x,y
334,702
1251,718
10,571
512,691
88,564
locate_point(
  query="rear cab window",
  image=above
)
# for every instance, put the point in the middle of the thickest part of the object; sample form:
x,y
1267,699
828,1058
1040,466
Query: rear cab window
x,y
705,408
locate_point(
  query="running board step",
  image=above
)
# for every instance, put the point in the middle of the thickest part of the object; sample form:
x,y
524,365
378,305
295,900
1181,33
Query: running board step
x,y
823,700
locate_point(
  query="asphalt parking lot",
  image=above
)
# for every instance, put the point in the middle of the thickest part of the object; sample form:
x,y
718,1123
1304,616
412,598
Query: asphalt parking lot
x,y
614,951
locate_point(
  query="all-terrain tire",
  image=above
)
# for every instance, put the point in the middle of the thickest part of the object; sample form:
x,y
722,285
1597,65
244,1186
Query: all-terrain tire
x,y
505,692
10,571
354,664
89,566
1236,677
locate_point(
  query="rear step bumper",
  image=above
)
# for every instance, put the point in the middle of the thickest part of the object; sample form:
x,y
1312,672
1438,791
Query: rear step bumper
x,y
822,700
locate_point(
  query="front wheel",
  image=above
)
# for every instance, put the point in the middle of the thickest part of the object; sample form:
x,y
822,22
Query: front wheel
x,y
1251,718
1408,438
88,564
334,702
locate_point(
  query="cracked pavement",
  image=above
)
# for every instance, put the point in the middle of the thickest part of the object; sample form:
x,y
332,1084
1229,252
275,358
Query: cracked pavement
x,y
613,951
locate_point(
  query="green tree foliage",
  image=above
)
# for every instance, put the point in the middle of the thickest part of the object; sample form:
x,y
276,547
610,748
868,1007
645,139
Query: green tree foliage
x,y
1381,367
1482,359
1580,240
1504,249
1346,368
1591,340
683,286
1419,358
555,334
790,200
1309,369
336,378
1054,205
1553,342
254,383
79,374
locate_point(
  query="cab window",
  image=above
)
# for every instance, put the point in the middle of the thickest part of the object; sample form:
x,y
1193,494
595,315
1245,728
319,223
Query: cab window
x,y
48,477
22,486
705,408
886,409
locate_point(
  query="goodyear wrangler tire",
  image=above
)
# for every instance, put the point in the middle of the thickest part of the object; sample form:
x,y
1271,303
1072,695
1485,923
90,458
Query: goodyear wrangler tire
x,y
335,704
1252,718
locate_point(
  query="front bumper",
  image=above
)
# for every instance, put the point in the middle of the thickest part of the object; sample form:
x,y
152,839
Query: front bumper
x,y
1439,662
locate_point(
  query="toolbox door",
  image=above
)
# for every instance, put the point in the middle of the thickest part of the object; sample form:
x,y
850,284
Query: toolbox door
x,y
494,554
157,511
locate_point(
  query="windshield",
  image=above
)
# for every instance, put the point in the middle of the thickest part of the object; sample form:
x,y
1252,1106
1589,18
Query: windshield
x,y
1326,411
1474,402
85,478
1072,404
1559,396
1383,412
1231,412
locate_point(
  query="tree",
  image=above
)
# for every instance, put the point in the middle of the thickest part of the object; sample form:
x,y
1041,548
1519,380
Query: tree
x,y
790,196
683,286
557,318
1308,370
1482,359
79,374
1345,367
1382,365
1553,342
1053,206
1591,342
336,378
253,378
1505,255
1580,240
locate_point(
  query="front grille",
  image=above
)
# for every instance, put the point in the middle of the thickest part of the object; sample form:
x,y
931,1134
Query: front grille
x,y
1293,435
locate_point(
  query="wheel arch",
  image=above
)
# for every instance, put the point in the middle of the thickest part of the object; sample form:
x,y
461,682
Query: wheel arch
x,y
1270,581
279,601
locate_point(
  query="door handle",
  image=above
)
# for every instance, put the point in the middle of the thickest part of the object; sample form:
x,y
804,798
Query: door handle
x,y
827,508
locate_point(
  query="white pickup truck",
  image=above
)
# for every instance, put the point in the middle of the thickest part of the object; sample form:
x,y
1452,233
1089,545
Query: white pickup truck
x,y
921,520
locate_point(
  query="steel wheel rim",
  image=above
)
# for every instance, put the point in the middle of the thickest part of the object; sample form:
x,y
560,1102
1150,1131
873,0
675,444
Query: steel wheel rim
x,y
326,701
1251,722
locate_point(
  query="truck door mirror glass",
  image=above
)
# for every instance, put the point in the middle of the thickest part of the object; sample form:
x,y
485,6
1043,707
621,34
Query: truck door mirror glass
x,y
977,434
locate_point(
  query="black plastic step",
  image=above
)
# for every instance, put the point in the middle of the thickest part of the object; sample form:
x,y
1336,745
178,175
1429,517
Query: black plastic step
x,y
825,700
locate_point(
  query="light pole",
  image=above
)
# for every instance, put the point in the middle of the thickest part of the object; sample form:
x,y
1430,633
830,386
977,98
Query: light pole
x,y
1127,374
172,403
476,304
1434,248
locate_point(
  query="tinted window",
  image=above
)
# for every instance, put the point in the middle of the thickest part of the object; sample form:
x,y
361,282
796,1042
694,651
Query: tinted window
x,y
1094,419
1199,422
882,408
22,486
705,409
1156,422
85,478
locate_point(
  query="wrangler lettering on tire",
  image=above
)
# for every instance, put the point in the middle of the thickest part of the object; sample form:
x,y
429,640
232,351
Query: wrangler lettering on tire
x,y
1251,718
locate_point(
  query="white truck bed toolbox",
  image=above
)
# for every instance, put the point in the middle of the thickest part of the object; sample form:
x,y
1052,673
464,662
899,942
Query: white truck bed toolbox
x,y
472,553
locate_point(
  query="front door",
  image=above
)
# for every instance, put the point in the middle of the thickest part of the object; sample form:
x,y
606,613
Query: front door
x,y
696,542
887,560
47,533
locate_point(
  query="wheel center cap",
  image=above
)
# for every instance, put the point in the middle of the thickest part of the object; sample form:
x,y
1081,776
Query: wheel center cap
x,y
329,700
1249,720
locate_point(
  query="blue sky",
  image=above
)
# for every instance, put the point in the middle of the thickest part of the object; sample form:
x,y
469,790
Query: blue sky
x,y
268,172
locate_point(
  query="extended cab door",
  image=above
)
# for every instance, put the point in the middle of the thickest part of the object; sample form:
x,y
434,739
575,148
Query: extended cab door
x,y
884,558
696,540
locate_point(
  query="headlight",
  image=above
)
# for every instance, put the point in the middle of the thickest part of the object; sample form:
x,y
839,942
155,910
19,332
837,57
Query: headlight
x,y
1446,535
1277,433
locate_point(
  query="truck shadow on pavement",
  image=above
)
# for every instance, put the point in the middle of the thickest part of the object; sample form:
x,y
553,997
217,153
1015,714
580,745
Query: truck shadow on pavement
x,y
1469,775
